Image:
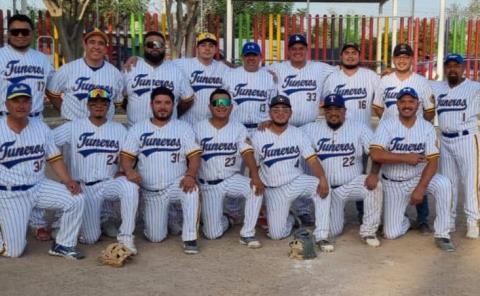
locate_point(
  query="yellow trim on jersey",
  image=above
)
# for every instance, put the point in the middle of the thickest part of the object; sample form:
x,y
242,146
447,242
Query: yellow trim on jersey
x,y
128,154
311,157
377,107
55,158
52,94
434,155
187,99
376,146
246,151
194,152
429,109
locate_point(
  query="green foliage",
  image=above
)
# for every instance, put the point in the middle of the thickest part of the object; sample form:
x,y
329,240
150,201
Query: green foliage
x,y
217,7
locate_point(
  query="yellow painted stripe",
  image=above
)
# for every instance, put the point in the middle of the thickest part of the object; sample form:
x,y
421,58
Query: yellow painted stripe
x,y
55,158
127,154
194,152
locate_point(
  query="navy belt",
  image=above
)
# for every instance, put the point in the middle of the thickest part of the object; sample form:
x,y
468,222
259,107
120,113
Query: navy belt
x,y
16,187
35,114
388,179
251,125
93,182
454,135
211,182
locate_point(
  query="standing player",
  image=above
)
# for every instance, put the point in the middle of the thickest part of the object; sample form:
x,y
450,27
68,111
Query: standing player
x,y
152,72
167,161
340,145
458,107
384,104
251,88
405,146
25,146
301,81
224,144
94,144
279,149
75,79
206,75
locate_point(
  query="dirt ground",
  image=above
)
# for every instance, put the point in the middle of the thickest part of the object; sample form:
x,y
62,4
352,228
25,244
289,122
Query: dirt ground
x,y
411,265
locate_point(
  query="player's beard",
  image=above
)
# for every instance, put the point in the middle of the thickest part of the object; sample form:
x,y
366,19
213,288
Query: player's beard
x,y
162,118
334,126
280,124
155,59
350,67
453,80
20,48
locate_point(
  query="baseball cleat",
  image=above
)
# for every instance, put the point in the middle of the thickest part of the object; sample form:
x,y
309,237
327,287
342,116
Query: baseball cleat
x,y
42,234
190,247
445,244
472,232
66,252
251,242
325,246
371,240
129,245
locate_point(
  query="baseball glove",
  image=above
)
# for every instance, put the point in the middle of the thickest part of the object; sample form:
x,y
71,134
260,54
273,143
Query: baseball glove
x,y
115,255
303,245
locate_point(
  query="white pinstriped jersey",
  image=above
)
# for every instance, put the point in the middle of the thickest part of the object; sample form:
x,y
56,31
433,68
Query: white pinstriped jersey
x,y
340,151
204,80
357,91
280,156
458,108
303,87
392,136
143,78
75,79
23,156
162,152
222,149
94,150
386,94
32,68
251,93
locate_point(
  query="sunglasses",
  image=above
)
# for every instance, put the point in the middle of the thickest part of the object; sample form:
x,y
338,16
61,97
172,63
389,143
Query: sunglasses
x,y
99,93
17,32
155,45
222,102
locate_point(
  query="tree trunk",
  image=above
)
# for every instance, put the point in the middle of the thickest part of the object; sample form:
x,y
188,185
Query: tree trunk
x,y
184,30
70,36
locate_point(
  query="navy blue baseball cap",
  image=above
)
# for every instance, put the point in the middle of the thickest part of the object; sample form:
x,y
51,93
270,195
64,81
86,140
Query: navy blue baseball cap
x,y
251,48
280,100
403,48
407,91
16,90
297,38
334,100
454,57
350,45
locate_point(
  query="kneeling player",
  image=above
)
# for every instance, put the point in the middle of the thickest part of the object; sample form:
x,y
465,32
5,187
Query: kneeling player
x,y
340,144
94,144
279,151
224,143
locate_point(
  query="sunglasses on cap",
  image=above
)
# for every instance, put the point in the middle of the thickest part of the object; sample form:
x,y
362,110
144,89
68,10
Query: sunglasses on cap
x,y
99,93
17,32
222,102
155,45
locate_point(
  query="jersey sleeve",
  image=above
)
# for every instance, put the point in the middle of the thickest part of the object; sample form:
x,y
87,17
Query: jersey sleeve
x,y
131,144
381,137
186,90
63,134
57,84
189,145
306,148
52,153
365,139
431,149
378,102
242,141
427,97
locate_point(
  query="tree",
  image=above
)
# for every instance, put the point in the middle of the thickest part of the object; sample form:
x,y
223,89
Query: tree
x,y
182,25
472,10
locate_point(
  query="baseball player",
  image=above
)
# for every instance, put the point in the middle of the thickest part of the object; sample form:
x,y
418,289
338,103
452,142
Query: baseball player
x,y
26,145
301,81
279,149
69,87
21,64
405,146
206,75
340,145
162,147
384,104
224,144
152,72
251,88
458,107
94,144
